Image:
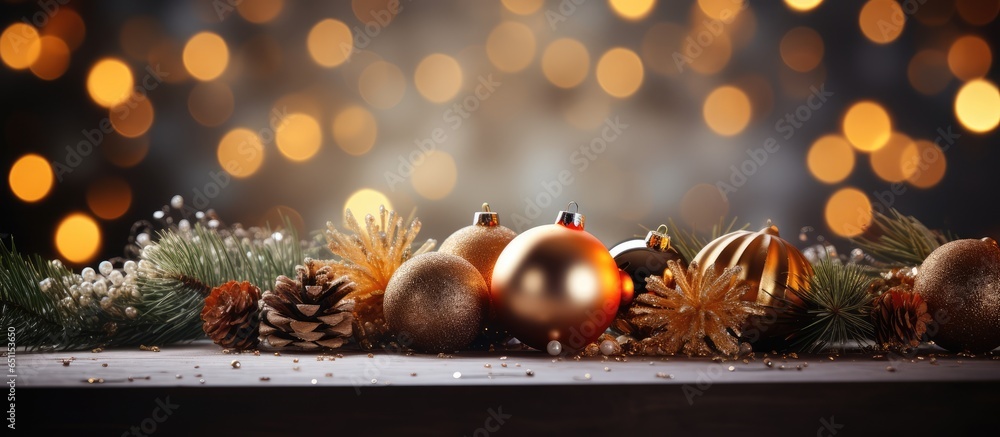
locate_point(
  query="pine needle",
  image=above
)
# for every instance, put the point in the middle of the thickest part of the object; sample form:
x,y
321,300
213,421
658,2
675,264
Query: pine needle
x,y
689,243
901,240
835,308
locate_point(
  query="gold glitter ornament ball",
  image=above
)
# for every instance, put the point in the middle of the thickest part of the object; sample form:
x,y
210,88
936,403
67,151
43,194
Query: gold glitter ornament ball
x,y
960,281
436,302
481,242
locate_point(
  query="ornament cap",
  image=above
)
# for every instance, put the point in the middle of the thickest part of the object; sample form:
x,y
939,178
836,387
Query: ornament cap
x,y
770,229
991,241
658,239
571,218
486,217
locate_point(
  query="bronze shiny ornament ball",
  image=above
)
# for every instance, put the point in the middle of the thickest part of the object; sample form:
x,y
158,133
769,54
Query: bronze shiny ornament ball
x,y
960,281
556,283
436,302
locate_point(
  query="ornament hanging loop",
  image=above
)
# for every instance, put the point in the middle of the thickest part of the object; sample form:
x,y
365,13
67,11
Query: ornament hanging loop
x,y
658,239
486,217
571,218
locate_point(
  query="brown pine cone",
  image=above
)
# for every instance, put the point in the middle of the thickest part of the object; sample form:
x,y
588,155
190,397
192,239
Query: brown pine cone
x,y
900,317
231,315
896,277
308,312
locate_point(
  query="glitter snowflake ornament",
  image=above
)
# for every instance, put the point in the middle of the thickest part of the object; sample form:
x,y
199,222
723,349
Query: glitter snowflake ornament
x,y
701,315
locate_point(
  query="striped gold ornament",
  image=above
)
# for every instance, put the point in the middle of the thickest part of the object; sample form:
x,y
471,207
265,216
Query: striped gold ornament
x,y
771,264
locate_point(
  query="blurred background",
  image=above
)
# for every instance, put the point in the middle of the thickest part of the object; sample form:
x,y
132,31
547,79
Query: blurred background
x,y
810,113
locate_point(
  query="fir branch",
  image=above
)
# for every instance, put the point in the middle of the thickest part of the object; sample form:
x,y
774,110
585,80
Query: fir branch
x,y
689,243
901,240
835,309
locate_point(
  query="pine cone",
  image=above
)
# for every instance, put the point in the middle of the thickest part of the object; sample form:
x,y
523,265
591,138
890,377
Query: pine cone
x,y
900,317
231,315
308,312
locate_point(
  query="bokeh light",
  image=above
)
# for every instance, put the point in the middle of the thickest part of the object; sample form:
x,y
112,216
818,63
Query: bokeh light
x,y
78,238
882,21
276,216
704,51
259,11
133,117
30,178
977,105
211,103
888,162
523,7
109,197
355,130
658,46
53,60
240,152
632,10
565,62
928,71
330,43
848,212
436,176
867,126
20,46
139,35
169,56
206,56
382,85
802,5
619,72
925,164
969,57
375,12
125,152
67,26
110,82
727,110
934,13
438,77
702,206
511,46
299,137
721,9
978,12
830,159
366,201
802,49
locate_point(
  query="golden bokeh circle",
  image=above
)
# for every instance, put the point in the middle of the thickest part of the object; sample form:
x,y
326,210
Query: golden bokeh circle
x,y
978,12
523,7
53,60
109,197
78,238
925,163
110,82
355,130
20,46
888,161
211,103
511,46
206,56
721,9
928,71
31,178
133,117
977,105
802,49
435,177
382,85
366,201
438,77
299,137
619,72
330,43
970,57
882,21
727,110
848,212
260,11
632,10
867,126
802,5
240,152
565,62
68,26
830,159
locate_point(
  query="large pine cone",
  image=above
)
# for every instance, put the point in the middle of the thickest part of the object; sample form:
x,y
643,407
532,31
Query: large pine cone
x,y
231,315
308,312
900,317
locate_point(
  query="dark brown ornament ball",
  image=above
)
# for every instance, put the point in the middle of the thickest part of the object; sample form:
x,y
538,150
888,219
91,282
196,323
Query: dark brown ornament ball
x,y
960,281
436,302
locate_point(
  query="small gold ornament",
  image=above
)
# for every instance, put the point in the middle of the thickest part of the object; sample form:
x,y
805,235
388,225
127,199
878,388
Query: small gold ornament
x,y
481,242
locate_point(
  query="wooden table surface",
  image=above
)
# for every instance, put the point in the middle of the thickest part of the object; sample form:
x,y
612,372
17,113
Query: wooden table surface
x,y
458,394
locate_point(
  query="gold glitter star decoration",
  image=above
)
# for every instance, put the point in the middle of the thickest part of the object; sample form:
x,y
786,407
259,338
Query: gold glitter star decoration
x,y
369,257
700,315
